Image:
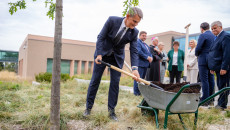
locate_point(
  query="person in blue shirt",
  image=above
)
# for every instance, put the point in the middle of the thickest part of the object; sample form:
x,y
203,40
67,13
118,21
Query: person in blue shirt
x,y
145,58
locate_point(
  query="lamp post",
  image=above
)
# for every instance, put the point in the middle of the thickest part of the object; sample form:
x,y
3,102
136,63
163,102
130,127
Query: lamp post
x,y
186,52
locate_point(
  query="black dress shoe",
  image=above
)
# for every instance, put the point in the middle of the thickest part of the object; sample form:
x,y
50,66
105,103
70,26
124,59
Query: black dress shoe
x,y
112,115
87,112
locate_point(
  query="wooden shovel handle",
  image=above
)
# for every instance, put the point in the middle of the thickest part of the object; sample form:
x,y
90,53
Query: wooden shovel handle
x,y
130,75
124,72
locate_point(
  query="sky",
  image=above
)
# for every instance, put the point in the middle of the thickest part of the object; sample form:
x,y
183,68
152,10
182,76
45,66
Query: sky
x,y
84,19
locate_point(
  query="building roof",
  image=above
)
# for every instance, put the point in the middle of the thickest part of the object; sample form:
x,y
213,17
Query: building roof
x,y
7,51
166,33
64,41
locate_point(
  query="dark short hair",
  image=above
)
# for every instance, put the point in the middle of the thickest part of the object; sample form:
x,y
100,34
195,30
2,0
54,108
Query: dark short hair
x,y
204,26
176,42
142,32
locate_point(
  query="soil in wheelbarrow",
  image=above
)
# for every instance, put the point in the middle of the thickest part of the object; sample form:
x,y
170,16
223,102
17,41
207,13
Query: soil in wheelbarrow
x,y
176,87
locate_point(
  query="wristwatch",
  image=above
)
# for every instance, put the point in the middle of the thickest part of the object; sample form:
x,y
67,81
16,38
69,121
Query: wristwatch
x,y
134,68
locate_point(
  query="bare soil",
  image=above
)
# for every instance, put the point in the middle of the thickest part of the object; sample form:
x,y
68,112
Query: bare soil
x,y
176,87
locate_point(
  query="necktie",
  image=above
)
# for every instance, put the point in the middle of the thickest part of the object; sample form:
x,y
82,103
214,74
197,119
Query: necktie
x,y
118,37
146,47
215,38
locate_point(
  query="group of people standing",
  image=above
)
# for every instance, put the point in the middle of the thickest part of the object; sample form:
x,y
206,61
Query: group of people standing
x,y
209,55
212,51
153,61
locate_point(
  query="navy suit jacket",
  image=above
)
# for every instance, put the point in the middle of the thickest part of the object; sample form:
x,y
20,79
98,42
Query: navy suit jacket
x,y
205,41
105,41
143,53
219,54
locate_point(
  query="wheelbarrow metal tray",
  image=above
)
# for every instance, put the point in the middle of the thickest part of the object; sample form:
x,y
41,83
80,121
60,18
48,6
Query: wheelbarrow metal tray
x,y
159,99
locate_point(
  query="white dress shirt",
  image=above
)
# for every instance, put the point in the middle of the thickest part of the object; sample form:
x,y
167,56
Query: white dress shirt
x,y
175,57
122,26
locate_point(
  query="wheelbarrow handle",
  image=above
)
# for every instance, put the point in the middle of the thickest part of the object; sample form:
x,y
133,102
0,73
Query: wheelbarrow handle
x,y
195,84
130,74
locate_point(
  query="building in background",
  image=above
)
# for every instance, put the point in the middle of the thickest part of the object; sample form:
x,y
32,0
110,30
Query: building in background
x,y
165,37
9,60
36,53
36,56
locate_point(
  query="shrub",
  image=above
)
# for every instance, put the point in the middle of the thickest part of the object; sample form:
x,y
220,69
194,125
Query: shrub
x,y
44,77
47,77
64,77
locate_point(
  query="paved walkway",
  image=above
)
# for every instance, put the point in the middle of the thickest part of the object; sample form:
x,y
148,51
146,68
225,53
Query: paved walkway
x,y
125,88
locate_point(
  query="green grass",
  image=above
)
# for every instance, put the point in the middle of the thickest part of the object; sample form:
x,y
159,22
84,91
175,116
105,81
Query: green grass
x,y
29,107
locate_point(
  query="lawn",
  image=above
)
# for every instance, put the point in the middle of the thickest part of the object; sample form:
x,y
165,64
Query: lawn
x,y
23,105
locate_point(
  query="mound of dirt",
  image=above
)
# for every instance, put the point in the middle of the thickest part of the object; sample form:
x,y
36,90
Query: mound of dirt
x,y
176,87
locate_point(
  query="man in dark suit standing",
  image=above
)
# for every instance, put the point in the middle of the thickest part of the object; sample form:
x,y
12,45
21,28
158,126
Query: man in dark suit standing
x,y
205,41
110,47
219,61
145,58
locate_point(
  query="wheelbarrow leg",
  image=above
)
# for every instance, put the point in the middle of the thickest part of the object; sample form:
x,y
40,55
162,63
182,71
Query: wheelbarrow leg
x,y
166,119
195,120
156,117
181,120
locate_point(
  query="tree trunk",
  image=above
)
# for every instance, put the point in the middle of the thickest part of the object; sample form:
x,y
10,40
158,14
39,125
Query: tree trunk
x,y
55,90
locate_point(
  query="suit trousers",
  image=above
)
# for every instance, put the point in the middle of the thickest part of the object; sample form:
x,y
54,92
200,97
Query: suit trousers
x,y
142,71
174,73
207,81
192,75
223,81
96,79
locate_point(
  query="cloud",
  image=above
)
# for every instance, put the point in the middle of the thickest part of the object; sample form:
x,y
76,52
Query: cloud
x,y
83,20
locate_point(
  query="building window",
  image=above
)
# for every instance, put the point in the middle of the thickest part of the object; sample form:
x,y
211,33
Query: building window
x,y
49,65
8,56
82,67
75,66
90,67
65,66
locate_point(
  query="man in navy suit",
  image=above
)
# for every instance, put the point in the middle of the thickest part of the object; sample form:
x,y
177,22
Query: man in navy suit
x,y
205,41
110,47
219,61
145,58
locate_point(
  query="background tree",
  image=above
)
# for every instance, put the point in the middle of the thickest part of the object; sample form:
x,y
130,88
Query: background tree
x,y
55,89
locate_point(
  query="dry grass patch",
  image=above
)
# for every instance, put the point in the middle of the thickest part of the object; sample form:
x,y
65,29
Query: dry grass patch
x,y
11,77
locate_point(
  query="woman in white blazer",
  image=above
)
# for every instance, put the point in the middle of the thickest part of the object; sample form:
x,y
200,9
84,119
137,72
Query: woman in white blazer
x,y
192,64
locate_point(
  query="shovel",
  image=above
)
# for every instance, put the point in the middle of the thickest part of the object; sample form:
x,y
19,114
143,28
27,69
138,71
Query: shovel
x,y
130,75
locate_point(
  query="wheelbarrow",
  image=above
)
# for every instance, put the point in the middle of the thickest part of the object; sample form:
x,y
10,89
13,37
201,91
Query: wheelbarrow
x,y
172,103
